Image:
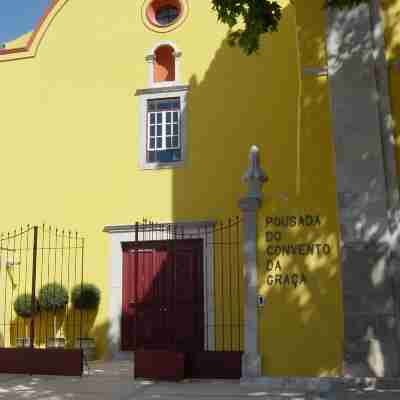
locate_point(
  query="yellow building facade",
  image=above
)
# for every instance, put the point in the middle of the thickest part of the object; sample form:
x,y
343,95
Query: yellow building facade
x,y
77,151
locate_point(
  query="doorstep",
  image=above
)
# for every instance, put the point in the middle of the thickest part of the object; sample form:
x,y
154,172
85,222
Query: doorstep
x,y
323,384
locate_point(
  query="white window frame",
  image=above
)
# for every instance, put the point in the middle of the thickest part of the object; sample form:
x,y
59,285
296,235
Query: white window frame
x,y
164,134
156,94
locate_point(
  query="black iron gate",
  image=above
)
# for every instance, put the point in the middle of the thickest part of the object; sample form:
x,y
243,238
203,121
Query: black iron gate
x,y
39,267
222,299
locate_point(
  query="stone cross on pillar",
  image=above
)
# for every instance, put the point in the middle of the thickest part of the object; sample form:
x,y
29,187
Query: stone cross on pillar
x,y
255,178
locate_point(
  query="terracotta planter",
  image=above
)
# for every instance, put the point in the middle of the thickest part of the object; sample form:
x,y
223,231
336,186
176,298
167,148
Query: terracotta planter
x,y
55,343
88,346
23,342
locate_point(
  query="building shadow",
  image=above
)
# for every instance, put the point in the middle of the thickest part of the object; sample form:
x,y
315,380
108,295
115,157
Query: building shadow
x,y
261,100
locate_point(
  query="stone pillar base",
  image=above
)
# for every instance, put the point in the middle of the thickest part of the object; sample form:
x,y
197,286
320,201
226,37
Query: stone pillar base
x,y
251,365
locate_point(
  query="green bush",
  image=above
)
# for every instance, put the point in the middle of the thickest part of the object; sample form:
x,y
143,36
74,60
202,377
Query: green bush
x,y
85,296
53,297
23,306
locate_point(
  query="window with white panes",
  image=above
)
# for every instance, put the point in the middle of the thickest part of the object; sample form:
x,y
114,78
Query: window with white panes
x,y
163,130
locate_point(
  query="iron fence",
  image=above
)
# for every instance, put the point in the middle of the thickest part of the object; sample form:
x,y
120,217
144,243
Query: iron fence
x,y
222,278
39,267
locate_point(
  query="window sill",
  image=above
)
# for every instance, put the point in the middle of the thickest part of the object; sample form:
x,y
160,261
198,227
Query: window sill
x,y
162,89
155,166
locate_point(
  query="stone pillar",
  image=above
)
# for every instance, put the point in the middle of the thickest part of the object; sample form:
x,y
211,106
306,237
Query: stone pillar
x,y
366,185
254,177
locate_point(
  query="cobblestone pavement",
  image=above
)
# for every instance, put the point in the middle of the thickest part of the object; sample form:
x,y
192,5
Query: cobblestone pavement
x,y
114,381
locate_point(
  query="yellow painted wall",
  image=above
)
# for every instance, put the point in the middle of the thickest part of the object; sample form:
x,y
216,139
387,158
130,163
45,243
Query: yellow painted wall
x,y
302,328
70,152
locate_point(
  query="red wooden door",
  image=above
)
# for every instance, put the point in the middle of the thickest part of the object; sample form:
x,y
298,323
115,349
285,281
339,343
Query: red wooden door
x,y
162,295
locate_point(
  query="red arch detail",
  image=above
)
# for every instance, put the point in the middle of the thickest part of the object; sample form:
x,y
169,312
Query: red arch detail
x,y
164,64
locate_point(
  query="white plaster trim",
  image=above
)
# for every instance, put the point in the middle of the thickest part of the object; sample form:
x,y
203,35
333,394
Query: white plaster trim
x,y
165,84
126,233
131,227
181,92
169,89
164,165
164,43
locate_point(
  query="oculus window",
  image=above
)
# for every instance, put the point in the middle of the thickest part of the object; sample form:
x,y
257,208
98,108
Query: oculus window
x,y
166,15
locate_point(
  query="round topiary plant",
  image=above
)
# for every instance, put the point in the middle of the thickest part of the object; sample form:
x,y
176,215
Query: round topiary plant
x,y
53,297
85,296
23,306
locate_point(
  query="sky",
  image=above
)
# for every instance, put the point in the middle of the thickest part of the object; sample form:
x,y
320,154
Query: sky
x,y
19,16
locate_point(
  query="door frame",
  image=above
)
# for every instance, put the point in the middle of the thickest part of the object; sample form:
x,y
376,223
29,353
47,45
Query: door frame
x,y
120,234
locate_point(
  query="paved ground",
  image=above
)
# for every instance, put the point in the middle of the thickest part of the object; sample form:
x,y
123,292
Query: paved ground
x,y
114,381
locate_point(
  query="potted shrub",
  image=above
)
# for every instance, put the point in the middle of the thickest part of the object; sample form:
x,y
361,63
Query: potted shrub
x,y
23,308
86,297
53,297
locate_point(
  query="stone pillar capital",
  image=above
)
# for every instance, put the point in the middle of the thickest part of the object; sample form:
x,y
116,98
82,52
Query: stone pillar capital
x,y
255,177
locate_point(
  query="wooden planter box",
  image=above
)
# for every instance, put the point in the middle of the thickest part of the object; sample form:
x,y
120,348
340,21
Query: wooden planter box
x,y
214,365
41,361
159,365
